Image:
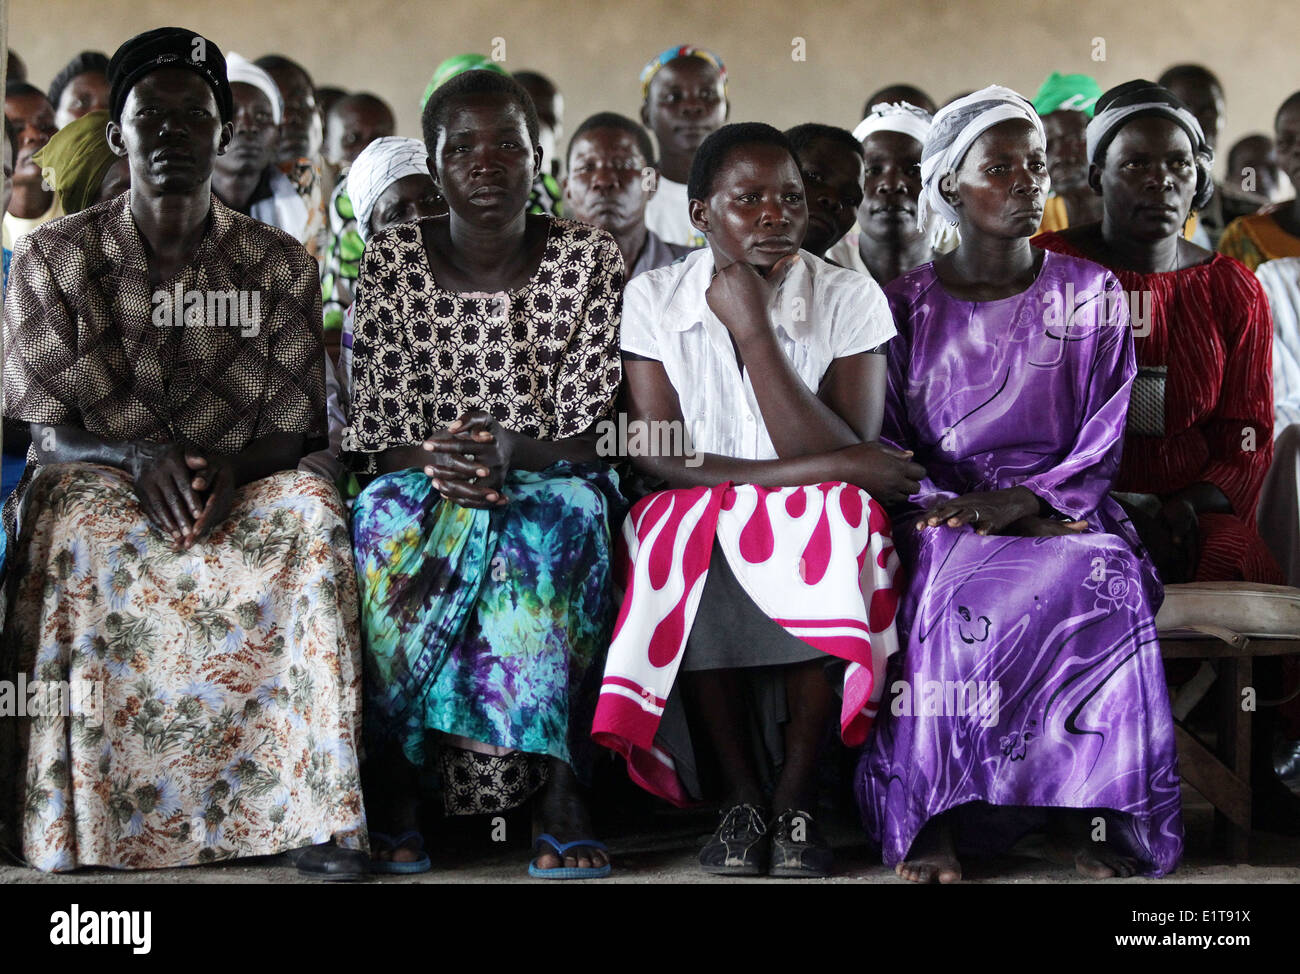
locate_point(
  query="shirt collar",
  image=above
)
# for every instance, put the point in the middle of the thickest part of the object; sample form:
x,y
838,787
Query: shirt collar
x,y
792,304
127,246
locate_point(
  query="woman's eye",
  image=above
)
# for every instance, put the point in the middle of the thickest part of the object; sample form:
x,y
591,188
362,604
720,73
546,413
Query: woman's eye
x,y
794,197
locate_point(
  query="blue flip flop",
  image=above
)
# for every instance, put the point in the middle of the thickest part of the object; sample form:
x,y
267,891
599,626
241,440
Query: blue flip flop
x,y
421,865
569,872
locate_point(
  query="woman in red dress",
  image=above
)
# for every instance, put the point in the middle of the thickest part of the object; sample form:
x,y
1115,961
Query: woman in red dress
x,y
1200,426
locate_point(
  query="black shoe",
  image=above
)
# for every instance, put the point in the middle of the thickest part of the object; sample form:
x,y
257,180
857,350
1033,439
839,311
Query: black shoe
x,y
739,847
328,861
799,849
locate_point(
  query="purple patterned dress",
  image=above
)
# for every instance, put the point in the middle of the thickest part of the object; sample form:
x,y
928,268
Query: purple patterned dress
x,y
1031,675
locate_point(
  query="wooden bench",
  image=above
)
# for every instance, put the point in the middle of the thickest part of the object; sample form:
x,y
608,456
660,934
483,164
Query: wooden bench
x,y
1226,625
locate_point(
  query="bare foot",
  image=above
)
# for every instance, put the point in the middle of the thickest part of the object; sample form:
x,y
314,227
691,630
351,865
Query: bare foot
x,y
1070,842
1097,860
407,851
933,857
560,811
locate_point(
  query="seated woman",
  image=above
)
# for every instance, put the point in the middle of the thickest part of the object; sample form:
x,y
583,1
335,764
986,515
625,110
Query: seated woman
x,y
1199,440
886,241
768,559
1026,604
392,185
831,166
485,350
1279,497
1199,437
170,556
1275,231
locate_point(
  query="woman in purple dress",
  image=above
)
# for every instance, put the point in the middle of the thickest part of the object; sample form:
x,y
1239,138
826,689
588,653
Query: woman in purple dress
x,y
1030,693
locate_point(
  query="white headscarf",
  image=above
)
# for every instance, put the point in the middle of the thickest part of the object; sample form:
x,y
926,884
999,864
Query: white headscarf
x,y
380,164
955,128
240,70
900,116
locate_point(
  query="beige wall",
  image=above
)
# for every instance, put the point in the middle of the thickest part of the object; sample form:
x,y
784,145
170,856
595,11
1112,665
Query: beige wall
x,y
594,50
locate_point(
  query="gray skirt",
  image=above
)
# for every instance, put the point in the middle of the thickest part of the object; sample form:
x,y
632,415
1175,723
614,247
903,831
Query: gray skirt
x,y
731,632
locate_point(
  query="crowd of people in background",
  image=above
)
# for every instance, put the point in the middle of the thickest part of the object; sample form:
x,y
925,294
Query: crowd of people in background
x,y
373,479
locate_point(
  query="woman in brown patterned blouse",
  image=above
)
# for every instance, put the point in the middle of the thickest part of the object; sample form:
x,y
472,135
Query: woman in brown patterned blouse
x,y
190,589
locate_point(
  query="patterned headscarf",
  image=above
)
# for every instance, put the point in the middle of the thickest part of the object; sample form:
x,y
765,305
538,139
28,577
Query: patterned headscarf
x,y
1067,93
956,127
75,160
380,164
458,64
901,117
243,71
672,54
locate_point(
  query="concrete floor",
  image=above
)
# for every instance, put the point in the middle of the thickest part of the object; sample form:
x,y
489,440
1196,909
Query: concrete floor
x,y
665,852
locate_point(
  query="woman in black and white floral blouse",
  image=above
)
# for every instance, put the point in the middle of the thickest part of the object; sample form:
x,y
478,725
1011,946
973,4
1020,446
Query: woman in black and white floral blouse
x,y
486,349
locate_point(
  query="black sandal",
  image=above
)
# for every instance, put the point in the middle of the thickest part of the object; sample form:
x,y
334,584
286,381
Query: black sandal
x,y
740,845
799,849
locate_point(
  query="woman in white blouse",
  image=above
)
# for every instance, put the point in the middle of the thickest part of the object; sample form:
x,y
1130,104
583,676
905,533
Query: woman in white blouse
x,y
1279,500
767,562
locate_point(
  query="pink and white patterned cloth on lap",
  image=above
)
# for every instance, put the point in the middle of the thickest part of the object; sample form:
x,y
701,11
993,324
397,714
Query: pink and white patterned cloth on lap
x,y
819,560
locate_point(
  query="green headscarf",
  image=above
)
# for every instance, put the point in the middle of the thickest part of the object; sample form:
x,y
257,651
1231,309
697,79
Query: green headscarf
x,y
75,160
1067,93
459,64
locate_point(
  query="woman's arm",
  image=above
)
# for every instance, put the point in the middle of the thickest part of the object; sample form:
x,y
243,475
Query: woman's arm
x,y
649,397
1079,481
797,420
159,473
1239,432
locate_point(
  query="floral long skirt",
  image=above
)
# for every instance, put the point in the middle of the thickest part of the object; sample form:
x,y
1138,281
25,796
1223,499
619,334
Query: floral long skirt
x,y
210,699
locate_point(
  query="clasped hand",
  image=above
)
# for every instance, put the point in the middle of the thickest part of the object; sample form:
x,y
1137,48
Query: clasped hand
x,y
183,491
470,460
1011,511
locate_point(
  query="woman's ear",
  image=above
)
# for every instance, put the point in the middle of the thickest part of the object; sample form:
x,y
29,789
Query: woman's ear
x,y
700,216
1094,177
645,114
433,174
